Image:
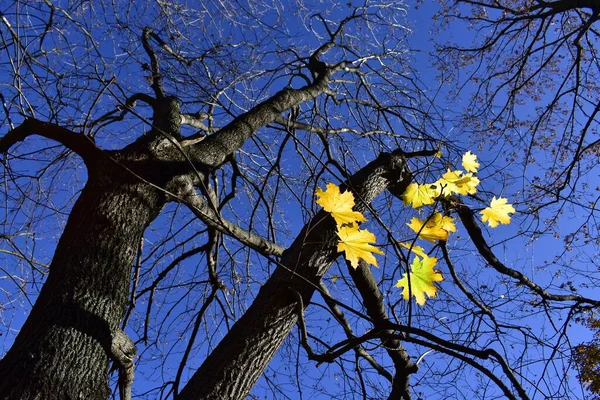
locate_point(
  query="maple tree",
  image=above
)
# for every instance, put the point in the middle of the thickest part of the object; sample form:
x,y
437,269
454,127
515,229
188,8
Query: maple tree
x,y
587,355
160,164
356,242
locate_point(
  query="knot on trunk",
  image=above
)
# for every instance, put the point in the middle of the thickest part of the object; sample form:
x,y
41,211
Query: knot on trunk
x,y
123,353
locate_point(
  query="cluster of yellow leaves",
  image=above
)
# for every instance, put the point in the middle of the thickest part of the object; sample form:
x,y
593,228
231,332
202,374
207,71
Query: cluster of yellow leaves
x,y
353,241
357,243
451,182
460,183
454,182
437,227
422,276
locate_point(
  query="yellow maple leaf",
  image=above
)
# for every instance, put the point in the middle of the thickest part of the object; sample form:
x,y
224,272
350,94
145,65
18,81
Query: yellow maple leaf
x,y
469,162
355,242
422,276
468,184
338,204
437,227
459,183
417,195
455,182
445,222
418,250
497,212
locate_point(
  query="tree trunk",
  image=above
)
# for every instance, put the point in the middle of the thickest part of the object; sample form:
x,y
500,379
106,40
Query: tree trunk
x,y
62,350
234,366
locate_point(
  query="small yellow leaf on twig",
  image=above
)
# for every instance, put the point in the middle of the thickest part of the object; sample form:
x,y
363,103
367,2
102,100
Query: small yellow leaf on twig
x,y
437,227
469,162
418,250
455,182
497,212
417,195
422,276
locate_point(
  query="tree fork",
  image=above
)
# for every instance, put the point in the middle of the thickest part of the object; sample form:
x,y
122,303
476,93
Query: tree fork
x,y
62,350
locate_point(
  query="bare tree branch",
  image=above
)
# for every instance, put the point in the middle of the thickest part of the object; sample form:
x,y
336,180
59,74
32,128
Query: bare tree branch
x,y
78,143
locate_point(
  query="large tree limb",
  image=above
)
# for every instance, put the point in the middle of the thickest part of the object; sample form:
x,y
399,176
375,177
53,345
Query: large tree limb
x,y
215,149
78,143
467,217
234,366
207,214
373,301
